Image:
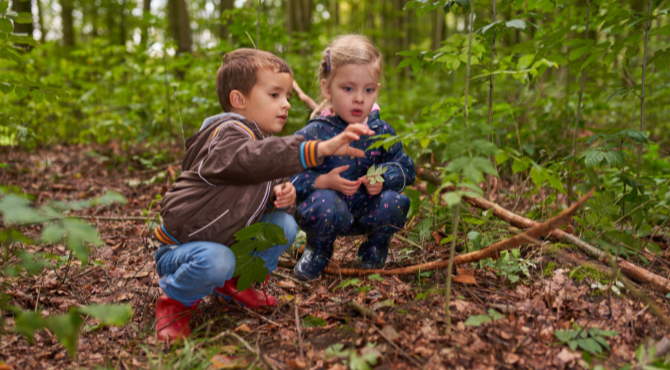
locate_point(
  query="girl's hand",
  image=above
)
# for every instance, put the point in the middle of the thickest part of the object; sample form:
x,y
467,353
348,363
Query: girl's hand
x,y
284,195
372,189
339,145
333,180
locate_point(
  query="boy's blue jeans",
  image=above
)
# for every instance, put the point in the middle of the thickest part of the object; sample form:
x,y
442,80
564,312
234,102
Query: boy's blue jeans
x,y
192,270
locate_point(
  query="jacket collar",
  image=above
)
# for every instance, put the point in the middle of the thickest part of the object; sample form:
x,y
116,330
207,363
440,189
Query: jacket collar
x,y
232,116
373,121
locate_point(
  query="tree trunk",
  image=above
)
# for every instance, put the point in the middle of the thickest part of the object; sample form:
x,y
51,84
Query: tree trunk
x,y
40,21
180,28
289,16
67,22
144,32
439,27
307,14
122,24
224,5
22,6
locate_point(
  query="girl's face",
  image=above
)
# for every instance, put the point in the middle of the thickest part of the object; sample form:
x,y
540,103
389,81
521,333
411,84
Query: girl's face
x,y
352,91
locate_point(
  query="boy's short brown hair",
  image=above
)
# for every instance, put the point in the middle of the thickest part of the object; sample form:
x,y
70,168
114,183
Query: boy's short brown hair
x,y
238,72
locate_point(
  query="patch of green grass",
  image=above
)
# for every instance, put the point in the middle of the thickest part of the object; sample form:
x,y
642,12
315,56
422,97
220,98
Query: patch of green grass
x,y
549,270
554,248
580,273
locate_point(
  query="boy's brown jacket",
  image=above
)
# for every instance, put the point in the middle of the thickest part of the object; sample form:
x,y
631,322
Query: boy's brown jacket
x,y
227,177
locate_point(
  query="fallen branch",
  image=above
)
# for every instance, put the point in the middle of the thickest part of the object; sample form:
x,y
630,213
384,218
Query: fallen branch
x,y
637,273
538,230
362,310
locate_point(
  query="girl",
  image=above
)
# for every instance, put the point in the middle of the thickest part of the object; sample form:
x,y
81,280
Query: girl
x,y
336,198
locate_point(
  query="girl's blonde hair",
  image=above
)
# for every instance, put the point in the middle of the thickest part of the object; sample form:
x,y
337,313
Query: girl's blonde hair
x,y
344,50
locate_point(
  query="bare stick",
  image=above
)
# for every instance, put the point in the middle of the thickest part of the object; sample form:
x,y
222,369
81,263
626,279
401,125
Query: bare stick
x,y
362,310
297,327
450,267
181,124
246,345
402,353
467,71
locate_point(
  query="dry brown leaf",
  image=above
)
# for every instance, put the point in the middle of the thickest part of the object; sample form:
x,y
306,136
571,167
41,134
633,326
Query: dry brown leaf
x,y
566,356
390,333
225,362
465,279
511,358
243,327
296,363
286,284
135,275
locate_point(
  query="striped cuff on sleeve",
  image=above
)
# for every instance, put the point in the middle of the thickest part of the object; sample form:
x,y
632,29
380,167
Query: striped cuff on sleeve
x,y
309,153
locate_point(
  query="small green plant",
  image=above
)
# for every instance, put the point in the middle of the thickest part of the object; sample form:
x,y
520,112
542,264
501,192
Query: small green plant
x,y
375,174
478,320
591,340
347,282
510,265
313,322
249,267
364,361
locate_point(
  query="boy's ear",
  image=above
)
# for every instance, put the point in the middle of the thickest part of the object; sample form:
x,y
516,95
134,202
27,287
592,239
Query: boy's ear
x,y
237,99
324,89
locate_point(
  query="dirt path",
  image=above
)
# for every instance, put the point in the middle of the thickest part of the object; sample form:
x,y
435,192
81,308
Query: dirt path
x,y
410,310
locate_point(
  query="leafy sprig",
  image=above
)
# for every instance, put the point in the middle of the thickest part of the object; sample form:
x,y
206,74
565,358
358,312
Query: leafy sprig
x,y
375,174
252,240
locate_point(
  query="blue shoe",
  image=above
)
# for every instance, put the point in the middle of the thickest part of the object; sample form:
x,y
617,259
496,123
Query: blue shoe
x,y
314,259
372,253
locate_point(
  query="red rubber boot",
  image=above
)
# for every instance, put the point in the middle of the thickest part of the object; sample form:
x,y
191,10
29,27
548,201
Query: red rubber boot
x,y
173,319
250,298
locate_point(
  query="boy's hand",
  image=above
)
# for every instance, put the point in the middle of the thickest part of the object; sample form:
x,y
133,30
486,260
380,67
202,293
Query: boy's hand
x,y
284,195
372,189
339,145
333,180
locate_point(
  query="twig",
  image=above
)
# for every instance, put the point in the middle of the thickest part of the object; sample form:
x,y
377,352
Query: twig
x,y
261,316
181,124
245,344
450,268
362,310
402,353
121,218
297,327
287,277
304,97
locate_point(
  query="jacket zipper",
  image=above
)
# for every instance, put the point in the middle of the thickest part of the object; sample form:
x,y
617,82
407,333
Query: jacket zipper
x,y
209,224
265,199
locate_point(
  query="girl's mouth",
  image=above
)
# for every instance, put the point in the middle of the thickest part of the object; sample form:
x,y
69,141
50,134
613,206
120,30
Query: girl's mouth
x,y
356,112
283,117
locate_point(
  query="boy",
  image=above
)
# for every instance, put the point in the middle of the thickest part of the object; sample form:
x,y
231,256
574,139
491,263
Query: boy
x,y
232,169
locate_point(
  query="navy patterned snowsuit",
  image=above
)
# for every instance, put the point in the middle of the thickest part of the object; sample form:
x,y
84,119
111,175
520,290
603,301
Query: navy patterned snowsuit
x,y
324,214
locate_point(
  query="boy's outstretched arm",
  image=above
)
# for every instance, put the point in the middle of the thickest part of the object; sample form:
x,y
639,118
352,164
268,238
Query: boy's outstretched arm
x,y
234,159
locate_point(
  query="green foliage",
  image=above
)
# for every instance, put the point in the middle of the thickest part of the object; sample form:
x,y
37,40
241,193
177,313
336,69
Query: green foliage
x,y
347,282
17,211
364,361
313,322
251,240
591,340
375,174
510,265
478,320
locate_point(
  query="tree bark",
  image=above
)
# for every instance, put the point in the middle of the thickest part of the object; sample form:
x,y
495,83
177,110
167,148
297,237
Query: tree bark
x,y
67,21
439,29
180,27
23,6
144,31
224,5
289,16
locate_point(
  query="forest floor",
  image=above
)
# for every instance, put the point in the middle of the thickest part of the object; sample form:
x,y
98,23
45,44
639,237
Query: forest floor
x,y
408,333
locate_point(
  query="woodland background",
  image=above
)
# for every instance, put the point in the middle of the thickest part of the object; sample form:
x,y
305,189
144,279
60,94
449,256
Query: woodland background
x,y
527,103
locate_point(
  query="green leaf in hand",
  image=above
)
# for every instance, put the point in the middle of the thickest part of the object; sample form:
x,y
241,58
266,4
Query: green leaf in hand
x,y
375,174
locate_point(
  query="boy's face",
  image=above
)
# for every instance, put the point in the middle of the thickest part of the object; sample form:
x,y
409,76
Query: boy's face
x,y
267,103
353,91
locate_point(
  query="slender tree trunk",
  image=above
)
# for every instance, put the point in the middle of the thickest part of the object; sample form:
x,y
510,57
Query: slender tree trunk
x,y
439,26
144,31
122,24
493,57
471,22
297,7
23,6
180,28
289,16
336,13
644,80
224,5
307,14
581,88
67,21
40,21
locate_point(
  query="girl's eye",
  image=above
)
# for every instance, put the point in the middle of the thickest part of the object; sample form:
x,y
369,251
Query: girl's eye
x,y
348,89
274,95
370,90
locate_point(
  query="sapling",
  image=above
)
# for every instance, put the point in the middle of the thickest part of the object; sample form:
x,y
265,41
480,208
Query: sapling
x,y
375,174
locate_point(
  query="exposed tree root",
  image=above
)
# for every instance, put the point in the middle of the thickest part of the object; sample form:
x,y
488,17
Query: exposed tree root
x,y
637,273
538,230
